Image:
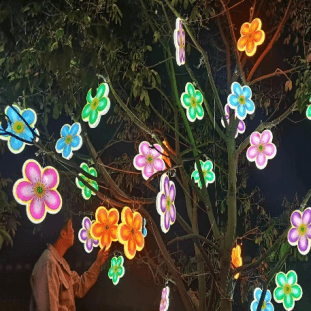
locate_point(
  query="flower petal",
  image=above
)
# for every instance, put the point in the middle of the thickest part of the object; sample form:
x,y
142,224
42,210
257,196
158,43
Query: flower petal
x,y
190,89
200,111
124,233
306,216
270,151
158,165
12,115
241,111
266,137
148,171
144,148
288,302
291,277
173,213
139,240
36,210
156,151
250,48
88,245
236,89
86,111
198,97
103,105
113,216
257,293
245,29
261,161
233,101
254,305
166,185
82,234
255,139
241,127
269,307
60,144
268,296
167,218
105,240
303,245
15,145
128,216
246,92
130,249
65,130
185,100
172,192
296,218
102,90
296,292
53,200
23,191
242,43
76,142
30,116
137,221
87,223
102,215
97,230
191,114
32,171
281,279
293,236
255,25
163,203
94,118
259,37
250,106
67,153
50,177
89,97
278,294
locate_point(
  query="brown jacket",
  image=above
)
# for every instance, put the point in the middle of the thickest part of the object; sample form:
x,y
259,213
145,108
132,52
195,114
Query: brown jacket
x,y
55,286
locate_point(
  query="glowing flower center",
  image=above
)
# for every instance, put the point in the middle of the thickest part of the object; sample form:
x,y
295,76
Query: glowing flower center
x,y
115,269
193,102
182,43
287,289
163,302
88,233
149,159
18,127
204,173
107,227
302,229
241,100
261,147
168,203
39,190
132,231
250,36
94,103
264,305
68,139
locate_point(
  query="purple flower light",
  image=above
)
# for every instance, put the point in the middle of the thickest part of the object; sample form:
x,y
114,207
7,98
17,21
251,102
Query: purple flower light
x,y
180,43
300,232
164,299
85,237
241,125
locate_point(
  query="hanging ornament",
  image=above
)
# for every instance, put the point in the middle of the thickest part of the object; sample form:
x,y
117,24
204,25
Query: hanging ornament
x,y
241,125
287,290
116,270
149,160
240,100
105,226
236,259
192,101
165,203
164,304
85,237
300,232
261,148
251,37
17,126
37,190
180,43
97,106
267,305
166,157
208,174
144,229
129,232
308,111
86,192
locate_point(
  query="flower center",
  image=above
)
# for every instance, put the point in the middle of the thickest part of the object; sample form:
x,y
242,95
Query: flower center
x,y
132,231
287,289
168,203
68,139
302,229
94,103
261,147
107,227
204,173
162,302
182,42
193,102
241,100
39,190
264,305
115,269
18,127
89,234
250,36
149,159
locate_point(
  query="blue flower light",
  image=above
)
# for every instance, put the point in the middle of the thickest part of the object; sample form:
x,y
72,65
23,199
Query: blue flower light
x,y
70,140
18,127
144,230
267,305
240,100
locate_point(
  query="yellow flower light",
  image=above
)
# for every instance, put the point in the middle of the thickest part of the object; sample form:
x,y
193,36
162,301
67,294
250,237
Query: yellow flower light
x,y
236,259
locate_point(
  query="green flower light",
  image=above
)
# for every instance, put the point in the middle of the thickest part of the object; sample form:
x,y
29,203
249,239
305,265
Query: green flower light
x,y
97,106
86,192
209,176
308,112
287,290
117,270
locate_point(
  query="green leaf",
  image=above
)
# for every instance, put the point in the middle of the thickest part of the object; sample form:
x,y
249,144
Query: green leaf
x,y
55,112
149,48
59,33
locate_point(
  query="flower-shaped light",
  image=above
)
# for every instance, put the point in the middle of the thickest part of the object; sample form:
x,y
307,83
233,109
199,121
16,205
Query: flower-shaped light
x,y
129,232
287,290
165,156
251,37
116,270
241,125
267,305
144,229
308,112
19,128
86,192
192,101
165,299
300,232
37,190
236,259
97,106
70,140
261,148
165,203
208,174
240,100
105,226
149,160
85,237
180,43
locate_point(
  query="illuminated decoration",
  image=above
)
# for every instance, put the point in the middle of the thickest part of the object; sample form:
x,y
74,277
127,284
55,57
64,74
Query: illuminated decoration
x,y
236,259
117,269
192,101
86,192
308,111
165,203
129,232
251,37
166,157
149,160
70,140
180,43
37,190
240,100
105,226
241,125
85,237
164,304
97,106
267,305
261,148
287,290
300,232
208,174
144,229
19,128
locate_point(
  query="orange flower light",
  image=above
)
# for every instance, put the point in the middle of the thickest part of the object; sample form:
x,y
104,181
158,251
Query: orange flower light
x,y
166,157
236,259
105,226
129,232
251,36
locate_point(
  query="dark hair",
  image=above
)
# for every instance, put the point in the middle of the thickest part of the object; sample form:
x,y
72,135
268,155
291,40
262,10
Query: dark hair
x,y
53,224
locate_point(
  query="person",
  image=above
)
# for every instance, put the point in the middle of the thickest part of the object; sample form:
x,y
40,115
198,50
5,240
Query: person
x,y
54,285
